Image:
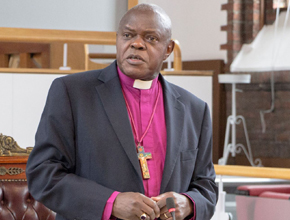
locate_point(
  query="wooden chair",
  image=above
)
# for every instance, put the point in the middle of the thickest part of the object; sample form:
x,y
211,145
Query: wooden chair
x,y
24,55
90,65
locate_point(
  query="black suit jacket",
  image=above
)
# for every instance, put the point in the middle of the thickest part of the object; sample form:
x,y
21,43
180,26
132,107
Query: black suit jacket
x,y
85,149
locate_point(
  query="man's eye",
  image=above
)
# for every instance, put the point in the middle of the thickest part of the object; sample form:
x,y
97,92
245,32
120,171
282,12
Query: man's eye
x,y
127,35
152,38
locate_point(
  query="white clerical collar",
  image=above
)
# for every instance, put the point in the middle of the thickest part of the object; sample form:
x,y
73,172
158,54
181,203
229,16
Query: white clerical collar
x,y
141,84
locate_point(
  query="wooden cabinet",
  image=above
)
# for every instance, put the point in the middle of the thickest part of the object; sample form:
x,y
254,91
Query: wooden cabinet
x,y
12,168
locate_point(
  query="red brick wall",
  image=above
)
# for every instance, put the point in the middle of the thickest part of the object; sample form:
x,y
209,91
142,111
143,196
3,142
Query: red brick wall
x,y
243,23
273,145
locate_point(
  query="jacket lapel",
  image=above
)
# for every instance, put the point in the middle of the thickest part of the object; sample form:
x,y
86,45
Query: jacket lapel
x,y
111,95
174,114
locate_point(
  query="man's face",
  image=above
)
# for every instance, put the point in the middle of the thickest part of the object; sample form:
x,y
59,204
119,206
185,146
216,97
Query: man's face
x,y
142,45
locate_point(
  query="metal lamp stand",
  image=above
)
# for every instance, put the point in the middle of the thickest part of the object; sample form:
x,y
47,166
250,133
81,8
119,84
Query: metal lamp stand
x,y
235,119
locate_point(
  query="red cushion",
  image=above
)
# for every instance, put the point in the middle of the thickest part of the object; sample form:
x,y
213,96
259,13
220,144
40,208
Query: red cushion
x,y
256,190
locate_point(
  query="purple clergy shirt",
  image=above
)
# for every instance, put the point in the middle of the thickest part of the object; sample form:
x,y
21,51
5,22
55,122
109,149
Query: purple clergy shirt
x,y
141,103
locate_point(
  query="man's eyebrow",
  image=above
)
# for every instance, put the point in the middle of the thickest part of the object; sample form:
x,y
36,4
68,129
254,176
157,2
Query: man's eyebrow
x,y
128,28
146,31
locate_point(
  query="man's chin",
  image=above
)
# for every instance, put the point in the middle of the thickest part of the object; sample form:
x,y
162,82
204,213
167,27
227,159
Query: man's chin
x,y
134,74
139,74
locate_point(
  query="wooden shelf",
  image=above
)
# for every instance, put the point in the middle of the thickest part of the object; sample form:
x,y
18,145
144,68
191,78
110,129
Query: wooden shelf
x,y
63,36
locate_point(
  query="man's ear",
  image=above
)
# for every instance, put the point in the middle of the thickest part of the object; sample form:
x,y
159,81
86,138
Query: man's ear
x,y
170,48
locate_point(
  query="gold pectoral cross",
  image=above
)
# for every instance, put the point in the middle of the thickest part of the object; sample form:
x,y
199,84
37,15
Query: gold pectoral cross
x,y
143,157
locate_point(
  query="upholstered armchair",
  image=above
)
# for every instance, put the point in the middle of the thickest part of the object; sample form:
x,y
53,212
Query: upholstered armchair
x,y
16,203
263,202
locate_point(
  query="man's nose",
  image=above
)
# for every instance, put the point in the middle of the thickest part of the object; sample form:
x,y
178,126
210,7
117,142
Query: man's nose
x,y
138,43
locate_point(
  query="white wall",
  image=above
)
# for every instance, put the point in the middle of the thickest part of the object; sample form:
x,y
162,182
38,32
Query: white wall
x,y
94,15
23,97
201,86
196,25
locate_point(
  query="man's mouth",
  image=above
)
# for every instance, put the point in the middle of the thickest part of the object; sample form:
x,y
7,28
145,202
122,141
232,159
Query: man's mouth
x,y
135,57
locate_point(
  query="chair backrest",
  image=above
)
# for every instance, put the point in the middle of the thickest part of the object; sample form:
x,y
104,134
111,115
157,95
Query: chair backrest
x,y
24,55
16,203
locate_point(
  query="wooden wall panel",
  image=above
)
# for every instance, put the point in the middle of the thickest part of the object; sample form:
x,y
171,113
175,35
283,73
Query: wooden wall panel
x,y
132,3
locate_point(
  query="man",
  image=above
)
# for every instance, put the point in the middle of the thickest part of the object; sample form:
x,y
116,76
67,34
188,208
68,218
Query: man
x,y
116,142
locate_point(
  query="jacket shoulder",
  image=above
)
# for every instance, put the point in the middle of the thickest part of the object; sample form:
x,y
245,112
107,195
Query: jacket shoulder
x,y
91,75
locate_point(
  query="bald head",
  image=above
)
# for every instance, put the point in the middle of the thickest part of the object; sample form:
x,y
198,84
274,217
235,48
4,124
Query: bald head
x,y
143,41
151,10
